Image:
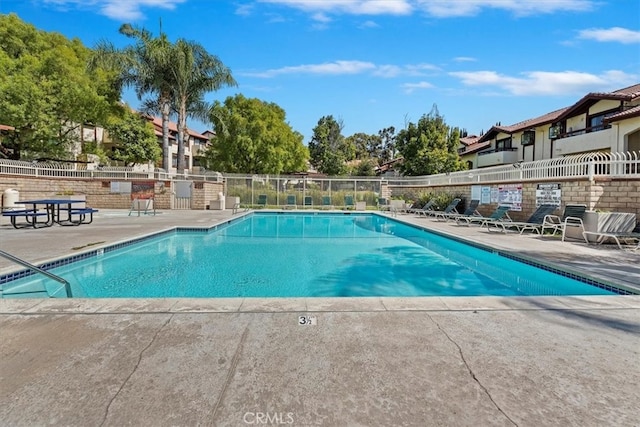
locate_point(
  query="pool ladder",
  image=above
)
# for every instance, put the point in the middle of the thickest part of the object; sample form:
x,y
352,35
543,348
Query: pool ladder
x,y
67,285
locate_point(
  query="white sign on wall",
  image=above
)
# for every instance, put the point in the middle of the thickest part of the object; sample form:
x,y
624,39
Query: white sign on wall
x,y
476,192
548,194
510,195
485,197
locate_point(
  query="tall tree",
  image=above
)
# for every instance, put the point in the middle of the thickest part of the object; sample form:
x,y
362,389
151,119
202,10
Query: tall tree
x,y
147,67
328,149
388,142
46,92
136,138
195,72
429,147
253,136
366,146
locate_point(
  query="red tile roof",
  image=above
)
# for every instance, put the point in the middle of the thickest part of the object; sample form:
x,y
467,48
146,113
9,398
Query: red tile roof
x,y
524,125
468,140
473,148
173,127
628,94
631,112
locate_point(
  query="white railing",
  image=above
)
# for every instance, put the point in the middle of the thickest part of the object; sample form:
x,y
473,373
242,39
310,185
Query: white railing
x,y
589,166
73,170
585,166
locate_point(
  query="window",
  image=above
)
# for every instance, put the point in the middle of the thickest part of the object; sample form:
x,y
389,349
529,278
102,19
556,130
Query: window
x,y
528,137
596,123
503,144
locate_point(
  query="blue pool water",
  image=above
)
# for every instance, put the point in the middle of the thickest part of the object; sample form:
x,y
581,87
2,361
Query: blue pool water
x,y
304,255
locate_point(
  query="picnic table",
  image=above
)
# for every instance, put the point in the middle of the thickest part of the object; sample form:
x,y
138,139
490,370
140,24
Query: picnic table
x,y
52,211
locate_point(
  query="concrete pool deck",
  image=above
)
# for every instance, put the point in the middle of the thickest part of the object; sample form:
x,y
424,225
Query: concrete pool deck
x,y
366,361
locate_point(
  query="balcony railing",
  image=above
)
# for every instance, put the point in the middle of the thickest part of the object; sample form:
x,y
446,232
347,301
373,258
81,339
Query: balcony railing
x,y
498,156
582,131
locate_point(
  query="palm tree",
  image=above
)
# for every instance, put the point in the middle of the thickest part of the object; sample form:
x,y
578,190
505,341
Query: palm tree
x,y
195,72
146,66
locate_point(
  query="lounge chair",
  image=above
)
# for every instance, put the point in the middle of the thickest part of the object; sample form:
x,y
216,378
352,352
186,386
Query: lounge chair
x,y
534,223
449,209
326,202
291,202
409,208
472,210
308,201
383,204
348,202
500,214
262,200
571,218
630,240
427,208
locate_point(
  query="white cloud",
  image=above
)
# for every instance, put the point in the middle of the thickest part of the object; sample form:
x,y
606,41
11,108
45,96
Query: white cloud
x,y
321,17
121,10
327,68
352,7
412,87
348,67
244,9
450,8
436,8
547,83
614,34
464,59
369,24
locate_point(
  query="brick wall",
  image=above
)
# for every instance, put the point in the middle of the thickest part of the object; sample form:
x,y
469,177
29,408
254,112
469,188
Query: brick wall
x,y
614,195
98,191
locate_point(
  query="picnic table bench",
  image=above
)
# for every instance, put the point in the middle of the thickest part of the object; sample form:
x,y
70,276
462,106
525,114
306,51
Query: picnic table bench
x,y
61,212
30,216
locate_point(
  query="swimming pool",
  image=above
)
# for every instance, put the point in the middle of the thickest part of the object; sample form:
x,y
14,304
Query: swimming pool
x,y
300,255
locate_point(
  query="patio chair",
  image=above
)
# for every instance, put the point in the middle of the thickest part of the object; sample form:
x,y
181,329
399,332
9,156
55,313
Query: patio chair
x,y
308,201
628,240
408,208
383,204
348,202
472,210
326,202
571,219
500,214
428,207
534,223
262,200
291,202
447,210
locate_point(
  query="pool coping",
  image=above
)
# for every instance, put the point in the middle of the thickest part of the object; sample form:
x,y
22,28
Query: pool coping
x,y
300,306
98,250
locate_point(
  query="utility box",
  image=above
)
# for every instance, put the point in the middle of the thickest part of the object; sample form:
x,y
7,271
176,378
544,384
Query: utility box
x,y
217,205
10,197
231,201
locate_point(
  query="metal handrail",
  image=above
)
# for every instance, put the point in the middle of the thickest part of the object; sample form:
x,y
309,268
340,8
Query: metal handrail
x,y
67,285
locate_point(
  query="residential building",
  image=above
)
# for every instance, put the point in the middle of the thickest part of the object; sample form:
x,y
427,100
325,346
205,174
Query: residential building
x,y
194,148
608,122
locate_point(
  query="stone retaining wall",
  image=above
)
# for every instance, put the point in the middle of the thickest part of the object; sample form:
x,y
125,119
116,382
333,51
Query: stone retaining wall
x,y
98,191
612,195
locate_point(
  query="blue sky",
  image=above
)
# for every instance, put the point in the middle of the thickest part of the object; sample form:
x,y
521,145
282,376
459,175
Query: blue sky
x,y
380,63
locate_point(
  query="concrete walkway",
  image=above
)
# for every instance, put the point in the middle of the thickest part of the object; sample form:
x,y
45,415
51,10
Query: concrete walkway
x,y
365,362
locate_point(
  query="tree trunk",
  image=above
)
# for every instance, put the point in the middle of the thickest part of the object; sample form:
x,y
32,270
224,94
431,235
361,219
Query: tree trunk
x,y
166,152
182,128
